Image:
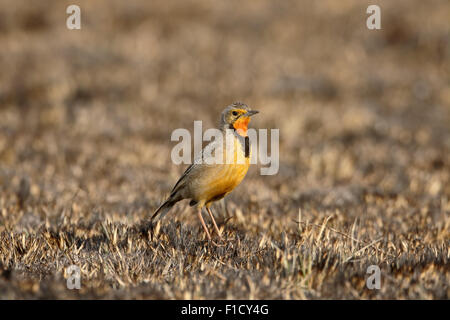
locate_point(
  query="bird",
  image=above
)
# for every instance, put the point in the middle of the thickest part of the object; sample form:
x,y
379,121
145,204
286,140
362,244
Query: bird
x,y
206,181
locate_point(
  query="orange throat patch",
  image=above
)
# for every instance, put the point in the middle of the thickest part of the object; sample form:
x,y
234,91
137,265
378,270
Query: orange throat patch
x,y
241,126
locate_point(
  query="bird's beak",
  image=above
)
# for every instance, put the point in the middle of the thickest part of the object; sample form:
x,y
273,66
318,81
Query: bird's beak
x,y
251,113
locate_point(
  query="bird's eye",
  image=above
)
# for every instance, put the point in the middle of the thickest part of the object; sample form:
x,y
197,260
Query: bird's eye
x,y
234,113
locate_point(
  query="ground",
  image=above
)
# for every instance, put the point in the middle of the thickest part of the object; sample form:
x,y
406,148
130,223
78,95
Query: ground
x,y
364,178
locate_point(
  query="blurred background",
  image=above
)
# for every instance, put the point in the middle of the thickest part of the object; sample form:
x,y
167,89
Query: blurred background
x,y
364,115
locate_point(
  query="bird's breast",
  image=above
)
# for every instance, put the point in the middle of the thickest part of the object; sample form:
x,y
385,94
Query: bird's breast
x,y
217,180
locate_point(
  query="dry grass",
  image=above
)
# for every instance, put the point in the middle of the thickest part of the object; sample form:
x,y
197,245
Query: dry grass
x,y
85,123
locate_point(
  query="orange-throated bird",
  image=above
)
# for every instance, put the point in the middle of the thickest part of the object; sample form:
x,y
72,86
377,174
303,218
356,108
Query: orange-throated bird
x,y
203,182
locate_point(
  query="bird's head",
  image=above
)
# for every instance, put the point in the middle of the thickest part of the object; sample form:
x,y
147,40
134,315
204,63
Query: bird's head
x,y
237,116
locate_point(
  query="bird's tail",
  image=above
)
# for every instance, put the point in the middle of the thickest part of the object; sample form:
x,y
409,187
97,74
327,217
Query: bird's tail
x,y
163,209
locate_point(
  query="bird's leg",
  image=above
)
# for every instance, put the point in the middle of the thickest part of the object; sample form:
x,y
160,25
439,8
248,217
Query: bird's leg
x,y
203,223
214,222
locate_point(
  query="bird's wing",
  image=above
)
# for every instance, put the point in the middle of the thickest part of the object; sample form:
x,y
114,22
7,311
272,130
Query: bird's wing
x,y
181,179
199,163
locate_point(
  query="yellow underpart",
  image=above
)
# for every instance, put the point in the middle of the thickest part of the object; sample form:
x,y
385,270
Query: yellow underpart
x,y
220,179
